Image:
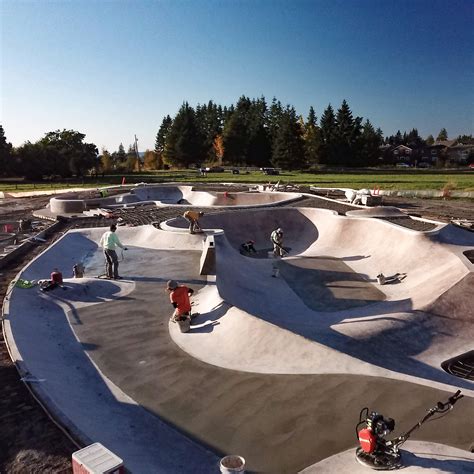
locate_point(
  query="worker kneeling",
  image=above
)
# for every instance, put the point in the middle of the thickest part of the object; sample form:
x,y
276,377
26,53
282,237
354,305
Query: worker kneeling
x,y
179,297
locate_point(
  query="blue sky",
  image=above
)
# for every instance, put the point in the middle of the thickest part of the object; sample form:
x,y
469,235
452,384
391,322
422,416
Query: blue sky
x,y
112,69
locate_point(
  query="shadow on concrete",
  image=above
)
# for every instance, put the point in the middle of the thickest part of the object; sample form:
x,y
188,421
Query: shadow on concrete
x,y
458,465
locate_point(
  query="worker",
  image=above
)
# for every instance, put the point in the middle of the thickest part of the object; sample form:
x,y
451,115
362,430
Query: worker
x,y
78,270
248,247
109,242
179,297
55,281
193,218
277,241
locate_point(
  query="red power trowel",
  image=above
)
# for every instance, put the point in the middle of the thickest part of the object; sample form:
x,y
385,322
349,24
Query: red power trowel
x,y
380,454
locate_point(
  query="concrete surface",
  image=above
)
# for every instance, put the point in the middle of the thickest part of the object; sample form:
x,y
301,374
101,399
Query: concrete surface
x,y
417,456
168,195
274,369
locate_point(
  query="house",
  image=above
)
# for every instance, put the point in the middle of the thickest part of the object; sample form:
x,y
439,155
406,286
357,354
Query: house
x,y
451,151
396,154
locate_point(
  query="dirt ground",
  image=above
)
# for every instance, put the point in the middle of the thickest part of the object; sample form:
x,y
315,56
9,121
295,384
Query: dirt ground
x,y
29,441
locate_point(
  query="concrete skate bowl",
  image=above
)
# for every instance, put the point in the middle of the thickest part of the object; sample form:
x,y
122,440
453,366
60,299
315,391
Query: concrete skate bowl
x,y
170,195
257,225
283,387
327,288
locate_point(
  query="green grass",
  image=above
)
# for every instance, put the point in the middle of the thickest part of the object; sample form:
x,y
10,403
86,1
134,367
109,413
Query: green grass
x,y
397,180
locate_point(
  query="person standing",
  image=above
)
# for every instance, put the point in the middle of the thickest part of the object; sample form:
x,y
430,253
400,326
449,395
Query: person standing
x,y
277,241
109,242
193,218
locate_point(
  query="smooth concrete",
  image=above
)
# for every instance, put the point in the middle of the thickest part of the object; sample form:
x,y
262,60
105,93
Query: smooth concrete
x,y
168,195
265,372
418,458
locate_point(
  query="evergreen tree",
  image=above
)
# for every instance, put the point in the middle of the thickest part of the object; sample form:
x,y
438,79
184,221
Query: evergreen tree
x,y
312,139
442,135
430,140
259,150
370,142
288,146
328,134
273,119
119,157
465,139
5,154
184,142
209,122
346,137
236,133
413,139
160,141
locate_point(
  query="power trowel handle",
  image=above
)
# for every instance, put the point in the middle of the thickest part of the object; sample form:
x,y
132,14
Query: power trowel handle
x,y
451,401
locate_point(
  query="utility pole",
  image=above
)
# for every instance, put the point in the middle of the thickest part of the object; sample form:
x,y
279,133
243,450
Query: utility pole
x,y
136,152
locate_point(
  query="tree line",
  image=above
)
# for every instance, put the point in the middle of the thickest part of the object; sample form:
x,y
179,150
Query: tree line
x,y
250,133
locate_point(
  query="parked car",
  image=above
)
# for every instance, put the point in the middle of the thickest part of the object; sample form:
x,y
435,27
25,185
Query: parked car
x,y
215,169
271,171
402,165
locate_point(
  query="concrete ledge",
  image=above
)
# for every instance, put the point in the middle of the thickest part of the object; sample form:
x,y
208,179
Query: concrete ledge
x,y
67,206
28,244
207,264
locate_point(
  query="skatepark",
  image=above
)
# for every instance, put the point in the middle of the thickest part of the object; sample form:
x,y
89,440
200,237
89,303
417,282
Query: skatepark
x,y
284,352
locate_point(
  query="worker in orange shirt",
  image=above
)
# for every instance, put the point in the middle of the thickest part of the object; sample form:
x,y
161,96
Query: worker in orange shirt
x,y
179,297
193,218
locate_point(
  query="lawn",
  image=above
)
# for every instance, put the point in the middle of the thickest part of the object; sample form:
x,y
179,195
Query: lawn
x,y
396,180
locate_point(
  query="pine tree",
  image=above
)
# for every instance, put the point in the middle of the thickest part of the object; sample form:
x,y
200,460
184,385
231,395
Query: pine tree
x,y
288,146
312,139
258,147
370,142
160,141
430,140
236,133
442,135
184,142
328,134
346,137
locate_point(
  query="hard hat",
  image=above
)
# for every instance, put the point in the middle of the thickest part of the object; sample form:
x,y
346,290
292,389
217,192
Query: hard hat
x,y
172,285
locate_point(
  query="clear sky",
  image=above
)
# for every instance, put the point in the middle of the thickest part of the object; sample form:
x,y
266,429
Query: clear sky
x,y
112,69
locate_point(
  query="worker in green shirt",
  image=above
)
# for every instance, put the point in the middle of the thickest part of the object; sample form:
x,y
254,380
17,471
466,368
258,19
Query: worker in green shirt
x,y
109,242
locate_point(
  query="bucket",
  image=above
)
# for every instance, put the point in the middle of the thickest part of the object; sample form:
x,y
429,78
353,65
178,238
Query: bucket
x,y
232,463
184,325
